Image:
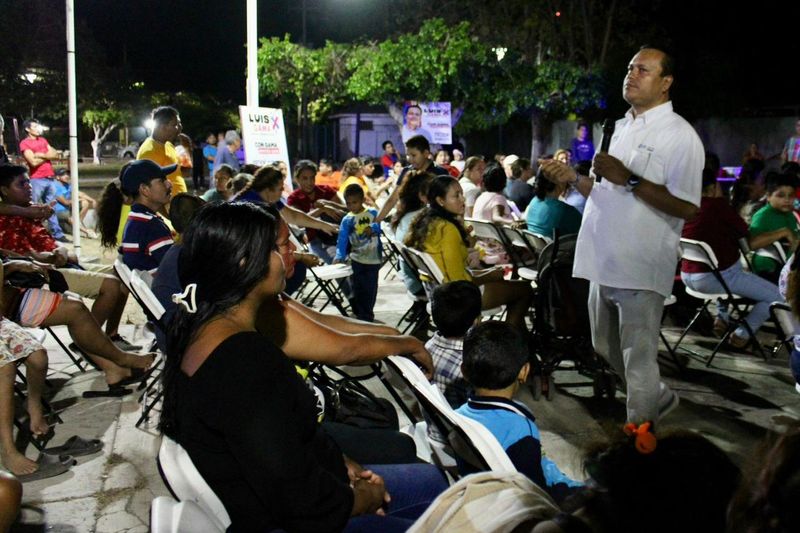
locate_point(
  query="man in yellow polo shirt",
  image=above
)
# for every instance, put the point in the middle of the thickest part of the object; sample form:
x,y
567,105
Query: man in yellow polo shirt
x,y
159,148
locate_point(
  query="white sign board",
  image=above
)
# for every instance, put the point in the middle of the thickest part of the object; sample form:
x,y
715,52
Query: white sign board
x,y
264,138
432,120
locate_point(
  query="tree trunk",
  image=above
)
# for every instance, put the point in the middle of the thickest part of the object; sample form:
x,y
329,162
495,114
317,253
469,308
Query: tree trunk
x,y
99,138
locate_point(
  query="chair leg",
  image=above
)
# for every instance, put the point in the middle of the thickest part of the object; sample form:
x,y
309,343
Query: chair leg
x,y
703,308
75,360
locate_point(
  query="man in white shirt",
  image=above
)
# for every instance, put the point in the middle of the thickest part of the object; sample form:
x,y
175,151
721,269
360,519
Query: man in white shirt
x,y
628,243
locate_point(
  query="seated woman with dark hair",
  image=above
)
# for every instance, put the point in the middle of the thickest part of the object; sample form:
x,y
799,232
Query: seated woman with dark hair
x,y
547,214
234,401
438,230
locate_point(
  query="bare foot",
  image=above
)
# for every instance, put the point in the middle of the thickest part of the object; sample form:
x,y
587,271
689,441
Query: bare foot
x,y
39,424
18,464
135,360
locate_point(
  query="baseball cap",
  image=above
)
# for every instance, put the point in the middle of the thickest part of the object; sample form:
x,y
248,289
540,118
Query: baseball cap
x,y
142,171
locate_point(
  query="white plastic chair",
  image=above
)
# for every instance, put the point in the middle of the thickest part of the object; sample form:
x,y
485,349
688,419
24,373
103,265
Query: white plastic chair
x,y
788,325
186,483
170,516
701,252
470,440
774,251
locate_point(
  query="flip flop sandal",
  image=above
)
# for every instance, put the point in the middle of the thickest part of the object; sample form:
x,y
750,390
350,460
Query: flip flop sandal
x,y
64,459
138,375
113,391
76,446
49,466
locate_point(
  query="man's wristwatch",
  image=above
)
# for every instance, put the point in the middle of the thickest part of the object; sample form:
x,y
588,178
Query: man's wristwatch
x,y
633,182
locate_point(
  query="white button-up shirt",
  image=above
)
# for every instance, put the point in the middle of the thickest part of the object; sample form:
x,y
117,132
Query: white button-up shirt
x,y
624,242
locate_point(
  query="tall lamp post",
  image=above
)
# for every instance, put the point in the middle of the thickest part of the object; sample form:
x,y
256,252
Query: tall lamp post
x,y
252,53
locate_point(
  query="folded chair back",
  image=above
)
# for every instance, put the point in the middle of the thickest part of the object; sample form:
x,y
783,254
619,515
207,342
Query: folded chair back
x,y
186,483
471,441
170,516
699,252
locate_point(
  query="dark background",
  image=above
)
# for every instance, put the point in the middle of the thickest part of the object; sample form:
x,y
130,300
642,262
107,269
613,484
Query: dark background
x,y
731,60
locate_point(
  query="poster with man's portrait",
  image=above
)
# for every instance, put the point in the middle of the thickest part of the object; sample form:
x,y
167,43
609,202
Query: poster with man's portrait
x,y
430,119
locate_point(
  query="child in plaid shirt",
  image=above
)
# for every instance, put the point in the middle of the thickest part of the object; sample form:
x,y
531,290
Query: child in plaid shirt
x,y
455,307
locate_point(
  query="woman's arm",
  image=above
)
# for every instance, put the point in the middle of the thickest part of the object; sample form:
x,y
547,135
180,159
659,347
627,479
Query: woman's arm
x,y
305,339
296,217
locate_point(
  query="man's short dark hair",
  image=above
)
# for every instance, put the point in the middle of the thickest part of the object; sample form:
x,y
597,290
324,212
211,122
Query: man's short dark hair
x,y
385,143
326,161
28,122
582,125
775,181
418,142
9,173
454,307
667,61
354,190
182,208
494,353
519,166
413,105
164,113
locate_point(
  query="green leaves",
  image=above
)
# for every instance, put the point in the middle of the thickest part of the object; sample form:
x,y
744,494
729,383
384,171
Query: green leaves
x,y
440,62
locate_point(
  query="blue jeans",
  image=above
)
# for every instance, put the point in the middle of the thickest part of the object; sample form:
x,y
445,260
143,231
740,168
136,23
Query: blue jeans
x,y
43,191
365,289
740,283
412,487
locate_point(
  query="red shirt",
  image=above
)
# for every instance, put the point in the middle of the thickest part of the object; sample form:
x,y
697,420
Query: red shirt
x,y
23,235
719,226
38,146
305,203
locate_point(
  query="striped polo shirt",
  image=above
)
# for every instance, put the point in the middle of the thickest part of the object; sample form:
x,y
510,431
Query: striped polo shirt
x,y
145,239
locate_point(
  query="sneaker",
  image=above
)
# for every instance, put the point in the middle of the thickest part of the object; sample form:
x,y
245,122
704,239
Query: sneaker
x,y
123,344
669,405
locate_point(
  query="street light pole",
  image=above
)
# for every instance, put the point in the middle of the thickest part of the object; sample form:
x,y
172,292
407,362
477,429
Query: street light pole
x,y
252,53
73,128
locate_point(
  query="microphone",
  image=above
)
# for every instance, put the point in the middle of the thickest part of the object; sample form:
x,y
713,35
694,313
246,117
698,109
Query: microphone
x,y
608,132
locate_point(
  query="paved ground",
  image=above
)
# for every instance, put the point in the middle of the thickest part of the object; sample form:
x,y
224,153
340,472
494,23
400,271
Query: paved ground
x,y
735,402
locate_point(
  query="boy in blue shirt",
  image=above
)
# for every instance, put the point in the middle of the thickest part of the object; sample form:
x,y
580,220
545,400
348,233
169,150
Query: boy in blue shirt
x,y
495,363
361,233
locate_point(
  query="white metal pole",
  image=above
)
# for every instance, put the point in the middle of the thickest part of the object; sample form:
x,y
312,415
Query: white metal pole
x,y
252,50
73,128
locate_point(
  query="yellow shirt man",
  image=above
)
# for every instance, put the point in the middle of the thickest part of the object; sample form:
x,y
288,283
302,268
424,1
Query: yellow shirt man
x,y
164,155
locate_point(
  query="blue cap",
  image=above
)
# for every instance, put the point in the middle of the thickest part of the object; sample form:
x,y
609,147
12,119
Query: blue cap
x,y
142,171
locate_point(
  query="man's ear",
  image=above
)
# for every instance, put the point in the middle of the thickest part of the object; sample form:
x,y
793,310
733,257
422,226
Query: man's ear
x,y
522,377
666,83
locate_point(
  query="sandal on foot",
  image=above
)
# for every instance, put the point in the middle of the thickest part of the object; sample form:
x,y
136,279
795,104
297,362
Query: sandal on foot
x,y
114,391
76,446
49,466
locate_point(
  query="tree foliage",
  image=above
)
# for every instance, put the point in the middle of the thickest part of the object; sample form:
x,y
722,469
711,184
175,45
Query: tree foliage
x,y
290,74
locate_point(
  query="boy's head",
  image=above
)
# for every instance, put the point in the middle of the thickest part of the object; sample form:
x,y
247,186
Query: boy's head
x,y
418,151
781,192
495,356
354,198
455,307
182,209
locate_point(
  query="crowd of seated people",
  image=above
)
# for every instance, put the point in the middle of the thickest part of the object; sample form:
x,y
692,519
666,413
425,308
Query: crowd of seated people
x,y
225,269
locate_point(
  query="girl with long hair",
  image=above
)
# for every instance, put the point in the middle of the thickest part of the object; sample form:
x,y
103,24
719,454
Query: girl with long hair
x,y
438,230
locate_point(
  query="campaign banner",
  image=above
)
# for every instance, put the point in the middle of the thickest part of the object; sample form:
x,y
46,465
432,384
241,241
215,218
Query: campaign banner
x,y
264,137
432,120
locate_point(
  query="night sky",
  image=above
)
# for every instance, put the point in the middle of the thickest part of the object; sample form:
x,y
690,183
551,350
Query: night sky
x,y
198,45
